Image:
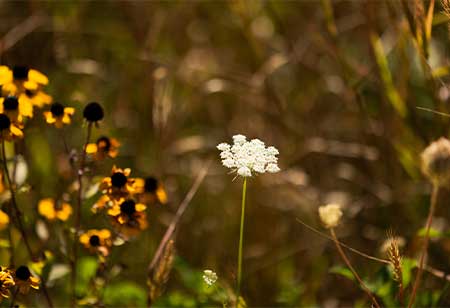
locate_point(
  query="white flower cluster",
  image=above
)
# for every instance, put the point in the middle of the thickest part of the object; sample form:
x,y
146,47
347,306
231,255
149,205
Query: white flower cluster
x,y
210,277
247,157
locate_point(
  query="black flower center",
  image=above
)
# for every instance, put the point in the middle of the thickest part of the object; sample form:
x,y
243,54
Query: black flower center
x,y
104,143
151,184
118,179
29,93
11,103
57,109
128,207
20,72
23,273
5,122
94,240
93,112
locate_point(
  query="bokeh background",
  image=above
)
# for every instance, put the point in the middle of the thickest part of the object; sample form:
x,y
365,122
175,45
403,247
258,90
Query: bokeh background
x,y
334,85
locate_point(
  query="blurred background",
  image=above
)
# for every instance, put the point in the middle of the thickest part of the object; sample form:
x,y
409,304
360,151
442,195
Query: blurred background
x,y
336,86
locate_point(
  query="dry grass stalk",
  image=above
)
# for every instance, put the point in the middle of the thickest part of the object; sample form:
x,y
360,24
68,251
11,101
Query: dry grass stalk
x,y
160,274
395,260
446,6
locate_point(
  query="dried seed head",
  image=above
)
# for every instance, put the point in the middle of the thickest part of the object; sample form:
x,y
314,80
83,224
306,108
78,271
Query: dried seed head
x,y
330,215
160,274
436,161
395,259
93,112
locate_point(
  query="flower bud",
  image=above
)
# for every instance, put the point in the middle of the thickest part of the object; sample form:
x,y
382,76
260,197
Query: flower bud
x,y
436,161
330,215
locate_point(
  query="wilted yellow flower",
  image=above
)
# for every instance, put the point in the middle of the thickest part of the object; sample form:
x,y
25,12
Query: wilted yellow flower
x,y
118,185
151,190
330,215
8,130
436,161
6,282
50,210
129,217
4,220
103,148
59,115
24,279
97,241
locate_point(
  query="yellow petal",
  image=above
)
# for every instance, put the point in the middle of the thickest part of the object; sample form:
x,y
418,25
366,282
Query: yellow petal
x,y
140,207
69,110
4,220
91,148
105,234
161,194
37,76
46,208
15,131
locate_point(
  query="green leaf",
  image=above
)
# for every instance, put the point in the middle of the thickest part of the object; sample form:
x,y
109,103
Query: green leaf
x,y
125,294
343,271
407,266
433,233
87,268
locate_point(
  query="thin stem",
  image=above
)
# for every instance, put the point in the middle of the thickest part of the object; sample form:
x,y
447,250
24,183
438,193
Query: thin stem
x,y
17,215
358,252
174,223
241,241
77,222
434,196
355,274
13,299
11,246
15,209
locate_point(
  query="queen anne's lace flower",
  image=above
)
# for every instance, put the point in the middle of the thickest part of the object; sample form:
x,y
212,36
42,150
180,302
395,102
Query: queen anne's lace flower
x,y
210,277
249,157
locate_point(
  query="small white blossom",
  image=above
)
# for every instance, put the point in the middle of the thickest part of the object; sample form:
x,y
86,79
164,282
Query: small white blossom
x,y
330,215
210,277
248,157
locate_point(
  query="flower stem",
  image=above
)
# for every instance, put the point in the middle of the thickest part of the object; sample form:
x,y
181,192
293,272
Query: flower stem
x,y
355,274
77,222
17,215
434,196
241,242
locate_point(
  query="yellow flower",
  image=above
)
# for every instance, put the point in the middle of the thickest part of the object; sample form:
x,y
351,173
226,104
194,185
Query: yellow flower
x,y
59,115
25,84
97,241
118,185
4,220
103,202
103,147
151,190
8,130
20,78
6,282
24,279
35,97
52,211
129,217
15,109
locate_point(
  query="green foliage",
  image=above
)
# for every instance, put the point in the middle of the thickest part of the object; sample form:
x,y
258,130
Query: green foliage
x,y
125,294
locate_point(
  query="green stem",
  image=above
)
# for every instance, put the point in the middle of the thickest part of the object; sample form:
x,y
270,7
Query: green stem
x,y
241,241
77,221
